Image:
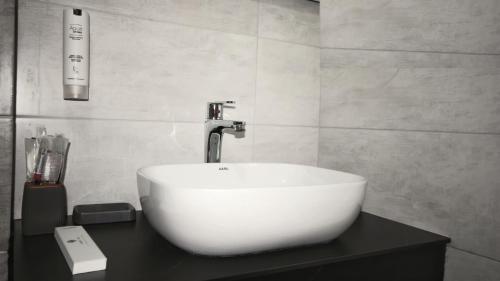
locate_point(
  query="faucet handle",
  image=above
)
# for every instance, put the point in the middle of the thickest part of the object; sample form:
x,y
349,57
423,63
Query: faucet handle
x,y
215,109
225,102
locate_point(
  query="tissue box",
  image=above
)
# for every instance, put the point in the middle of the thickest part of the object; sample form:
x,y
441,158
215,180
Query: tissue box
x,y
79,250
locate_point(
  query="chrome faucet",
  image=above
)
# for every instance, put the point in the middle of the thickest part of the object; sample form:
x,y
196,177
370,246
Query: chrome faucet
x,y
215,127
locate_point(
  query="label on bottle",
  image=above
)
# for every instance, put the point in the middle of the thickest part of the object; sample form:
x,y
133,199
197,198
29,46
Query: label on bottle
x,y
76,48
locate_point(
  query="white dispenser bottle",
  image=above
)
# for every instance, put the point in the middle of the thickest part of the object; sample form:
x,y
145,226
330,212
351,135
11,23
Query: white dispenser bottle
x,y
76,54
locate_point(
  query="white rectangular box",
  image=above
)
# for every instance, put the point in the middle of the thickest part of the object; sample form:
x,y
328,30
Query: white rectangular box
x,y
79,250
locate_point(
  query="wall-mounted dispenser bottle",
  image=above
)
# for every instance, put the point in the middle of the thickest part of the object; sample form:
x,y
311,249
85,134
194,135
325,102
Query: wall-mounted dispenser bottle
x,y
76,24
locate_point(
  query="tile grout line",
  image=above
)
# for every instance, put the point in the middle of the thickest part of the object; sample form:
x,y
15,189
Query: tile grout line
x,y
252,158
289,42
475,254
148,120
251,123
286,125
22,116
411,130
317,147
320,102
411,51
38,60
12,206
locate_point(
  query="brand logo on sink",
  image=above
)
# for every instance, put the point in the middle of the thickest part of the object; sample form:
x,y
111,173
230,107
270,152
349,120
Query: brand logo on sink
x,y
223,168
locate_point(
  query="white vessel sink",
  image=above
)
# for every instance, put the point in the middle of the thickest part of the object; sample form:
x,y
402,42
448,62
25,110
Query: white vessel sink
x,y
231,209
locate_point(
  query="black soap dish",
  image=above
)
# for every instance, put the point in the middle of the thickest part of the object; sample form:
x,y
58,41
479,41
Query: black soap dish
x,y
103,213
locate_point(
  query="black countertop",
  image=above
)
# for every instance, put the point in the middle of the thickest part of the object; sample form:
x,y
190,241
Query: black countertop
x,y
136,252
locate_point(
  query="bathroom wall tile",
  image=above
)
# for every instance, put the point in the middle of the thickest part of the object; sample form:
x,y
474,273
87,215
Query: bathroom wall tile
x,y
442,182
462,266
429,25
7,26
5,180
144,70
288,84
294,21
7,30
4,267
105,155
411,91
298,145
28,57
225,15
7,8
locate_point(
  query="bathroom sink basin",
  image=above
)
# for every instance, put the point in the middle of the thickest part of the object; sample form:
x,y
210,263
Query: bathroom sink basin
x,y
231,209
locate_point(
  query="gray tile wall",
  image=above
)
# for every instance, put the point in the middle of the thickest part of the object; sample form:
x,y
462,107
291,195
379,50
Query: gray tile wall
x,y
410,99
5,190
7,29
289,20
153,68
465,26
7,25
5,180
3,266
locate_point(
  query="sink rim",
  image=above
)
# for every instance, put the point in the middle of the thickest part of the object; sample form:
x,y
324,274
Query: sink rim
x,y
142,172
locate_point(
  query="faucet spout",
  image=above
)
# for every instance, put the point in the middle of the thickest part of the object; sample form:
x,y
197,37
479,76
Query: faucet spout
x,y
214,131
